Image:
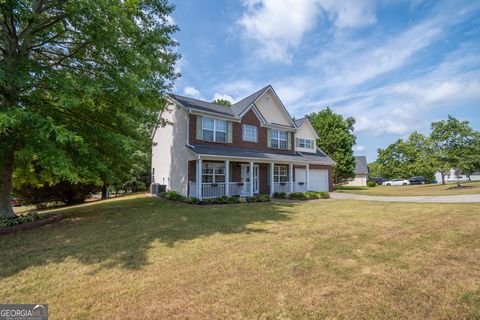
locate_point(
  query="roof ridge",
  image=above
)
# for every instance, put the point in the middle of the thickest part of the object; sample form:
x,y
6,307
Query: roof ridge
x,y
179,95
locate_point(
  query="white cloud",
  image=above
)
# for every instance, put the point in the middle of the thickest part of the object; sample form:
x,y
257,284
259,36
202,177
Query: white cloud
x,y
192,92
279,27
359,148
224,97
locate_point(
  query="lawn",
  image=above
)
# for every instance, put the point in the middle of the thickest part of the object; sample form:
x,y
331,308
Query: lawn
x,y
141,258
415,190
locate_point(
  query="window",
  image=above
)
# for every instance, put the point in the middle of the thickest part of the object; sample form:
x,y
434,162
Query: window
x,y
280,174
214,130
305,143
278,139
250,133
213,172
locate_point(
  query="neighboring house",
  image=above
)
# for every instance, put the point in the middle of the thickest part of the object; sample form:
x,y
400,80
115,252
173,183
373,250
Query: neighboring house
x,y
453,176
251,147
361,172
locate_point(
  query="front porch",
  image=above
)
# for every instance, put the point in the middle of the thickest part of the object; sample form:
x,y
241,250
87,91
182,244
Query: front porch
x,y
244,178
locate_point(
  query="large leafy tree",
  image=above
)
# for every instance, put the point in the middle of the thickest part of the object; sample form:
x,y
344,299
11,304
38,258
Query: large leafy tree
x,y
406,158
81,83
222,102
337,140
455,146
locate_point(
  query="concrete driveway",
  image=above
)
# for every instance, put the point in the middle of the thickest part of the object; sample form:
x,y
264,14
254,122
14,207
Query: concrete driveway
x,y
437,199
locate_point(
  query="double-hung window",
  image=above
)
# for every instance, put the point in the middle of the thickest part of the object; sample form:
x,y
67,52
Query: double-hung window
x,y
250,133
213,172
280,174
214,130
305,143
278,139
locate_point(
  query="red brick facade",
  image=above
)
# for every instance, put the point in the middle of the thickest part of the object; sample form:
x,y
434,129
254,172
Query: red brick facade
x,y
237,138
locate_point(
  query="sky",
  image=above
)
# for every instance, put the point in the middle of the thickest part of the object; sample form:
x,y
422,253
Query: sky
x,y
393,65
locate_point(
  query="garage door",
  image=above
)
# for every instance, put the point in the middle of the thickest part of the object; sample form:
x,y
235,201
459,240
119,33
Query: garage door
x,y
318,180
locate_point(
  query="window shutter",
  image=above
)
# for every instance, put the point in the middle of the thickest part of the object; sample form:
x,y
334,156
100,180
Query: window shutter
x,y
199,128
289,140
269,137
229,132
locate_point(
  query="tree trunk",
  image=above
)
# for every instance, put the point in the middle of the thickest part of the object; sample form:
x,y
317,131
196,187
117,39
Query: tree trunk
x,y
443,178
6,172
104,192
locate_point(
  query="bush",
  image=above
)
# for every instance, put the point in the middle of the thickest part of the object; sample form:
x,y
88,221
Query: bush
x,y
221,200
10,222
174,196
264,198
297,196
65,192
324,195
371,184
280,195
252,199
208,201
233,200
312,195
194,200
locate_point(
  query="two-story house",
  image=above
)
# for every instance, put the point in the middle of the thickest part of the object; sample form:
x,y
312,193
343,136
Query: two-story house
x,y
252,147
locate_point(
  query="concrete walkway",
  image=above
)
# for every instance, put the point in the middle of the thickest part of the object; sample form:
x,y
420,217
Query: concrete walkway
x,y
438,199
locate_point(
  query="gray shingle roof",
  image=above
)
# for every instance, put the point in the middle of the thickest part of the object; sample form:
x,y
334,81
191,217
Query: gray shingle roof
x,y
191,103
299,122
248,153
243,104
361,165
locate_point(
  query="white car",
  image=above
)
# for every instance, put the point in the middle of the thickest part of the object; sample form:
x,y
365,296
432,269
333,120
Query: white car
x,y
396,182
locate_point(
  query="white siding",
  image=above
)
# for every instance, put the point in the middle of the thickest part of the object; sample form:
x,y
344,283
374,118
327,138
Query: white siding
x,y
306,132
450,177
169,151
318,180
360,180
272,111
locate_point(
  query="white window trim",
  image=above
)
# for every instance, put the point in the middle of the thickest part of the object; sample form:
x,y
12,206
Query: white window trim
x,y
214,175
272,137
305,143
215,130
255,133
277,174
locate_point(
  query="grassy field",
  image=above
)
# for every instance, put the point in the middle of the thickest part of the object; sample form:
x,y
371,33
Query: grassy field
x,y
141,258
414,190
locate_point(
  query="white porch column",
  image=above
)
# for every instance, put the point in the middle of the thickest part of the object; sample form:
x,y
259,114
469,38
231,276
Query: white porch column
x,y
227,178
199,178
307,178
251,178
291,177
272,188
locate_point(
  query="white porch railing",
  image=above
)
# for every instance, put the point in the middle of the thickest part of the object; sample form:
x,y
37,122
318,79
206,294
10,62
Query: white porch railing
x,y
281,187
213,190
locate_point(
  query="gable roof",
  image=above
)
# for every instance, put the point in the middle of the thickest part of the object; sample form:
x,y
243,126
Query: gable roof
x,y
243,104
299,122
201,105
361,166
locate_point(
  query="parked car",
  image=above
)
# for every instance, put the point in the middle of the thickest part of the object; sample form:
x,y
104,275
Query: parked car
x,y
378,180
396,182
417,180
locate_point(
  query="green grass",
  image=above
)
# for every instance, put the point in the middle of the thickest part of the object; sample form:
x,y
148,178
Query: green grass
x,y
414,190
141,258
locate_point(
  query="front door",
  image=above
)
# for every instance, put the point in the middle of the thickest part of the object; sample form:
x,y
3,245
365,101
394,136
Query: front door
x,y
245,174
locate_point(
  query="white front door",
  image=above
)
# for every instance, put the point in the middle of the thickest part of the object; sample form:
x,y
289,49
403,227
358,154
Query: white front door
x,y
245,175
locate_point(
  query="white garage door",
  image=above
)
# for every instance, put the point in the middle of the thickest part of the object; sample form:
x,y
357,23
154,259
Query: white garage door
x,y
318,180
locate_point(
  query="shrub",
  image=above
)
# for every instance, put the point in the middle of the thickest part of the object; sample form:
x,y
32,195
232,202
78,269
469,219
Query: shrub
x,y
163,194
232,199
297,196
280,195
312,195
10,222
195,200
174,196
252,199
242,200
324,195
371,184
264,198
208,201
221,200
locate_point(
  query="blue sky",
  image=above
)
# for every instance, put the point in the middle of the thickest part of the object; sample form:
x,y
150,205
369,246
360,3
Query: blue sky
x,y
394,65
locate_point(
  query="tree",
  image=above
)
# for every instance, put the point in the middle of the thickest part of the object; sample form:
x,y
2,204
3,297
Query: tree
x,y
222,102
337,140
81,82
406,158
455,145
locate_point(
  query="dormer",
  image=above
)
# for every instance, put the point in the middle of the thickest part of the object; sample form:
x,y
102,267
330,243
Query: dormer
x,y
306,137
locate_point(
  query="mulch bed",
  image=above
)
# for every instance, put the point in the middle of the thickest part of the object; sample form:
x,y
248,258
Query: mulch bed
x,y
31,225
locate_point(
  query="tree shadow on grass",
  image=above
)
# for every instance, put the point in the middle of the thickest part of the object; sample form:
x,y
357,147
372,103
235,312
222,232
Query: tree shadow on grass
x,y
119,233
